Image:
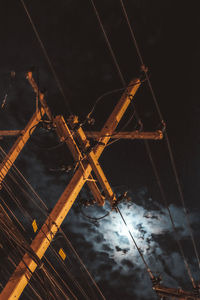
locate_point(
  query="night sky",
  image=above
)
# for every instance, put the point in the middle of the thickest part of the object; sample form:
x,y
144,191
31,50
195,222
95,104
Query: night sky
x,y
167,33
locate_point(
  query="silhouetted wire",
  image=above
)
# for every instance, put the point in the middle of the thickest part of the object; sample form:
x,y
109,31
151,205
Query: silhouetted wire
x,y
46,56
81,262
11,212
165,134
113,55
163,197
54,270
121,130
24,180
54,284
65,268
138,249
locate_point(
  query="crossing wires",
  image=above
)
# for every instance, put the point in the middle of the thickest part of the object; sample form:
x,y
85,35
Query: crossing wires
x,y
165,132
31,195
146,143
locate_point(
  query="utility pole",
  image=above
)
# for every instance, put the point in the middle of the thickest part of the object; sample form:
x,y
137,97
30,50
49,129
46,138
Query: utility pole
x,y
87,159
16,285
25,134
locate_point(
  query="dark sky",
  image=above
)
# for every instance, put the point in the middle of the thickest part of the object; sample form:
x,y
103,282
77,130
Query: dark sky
x,y
168,36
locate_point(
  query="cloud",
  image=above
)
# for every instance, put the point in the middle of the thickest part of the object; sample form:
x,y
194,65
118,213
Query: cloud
x,y
116,255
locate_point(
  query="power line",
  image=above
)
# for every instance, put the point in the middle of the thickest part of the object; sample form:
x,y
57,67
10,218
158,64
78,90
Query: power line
x,y
114,58
25,213
44,211
163,197
82,264
46,56
138,249
165,133
108,44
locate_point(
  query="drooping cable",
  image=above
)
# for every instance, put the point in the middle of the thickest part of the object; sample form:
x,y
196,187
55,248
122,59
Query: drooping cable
x,y
165,134
46,56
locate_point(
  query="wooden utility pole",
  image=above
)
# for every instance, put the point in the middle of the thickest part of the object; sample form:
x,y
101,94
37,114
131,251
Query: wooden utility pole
x,y
25,134
87,159
17,283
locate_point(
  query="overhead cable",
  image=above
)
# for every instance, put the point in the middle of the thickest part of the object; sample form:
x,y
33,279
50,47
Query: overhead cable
x,y
138,249
165,134
146,143
46,56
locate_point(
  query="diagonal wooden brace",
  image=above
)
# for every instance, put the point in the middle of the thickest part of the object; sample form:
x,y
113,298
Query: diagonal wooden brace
x,y
66,136
96,166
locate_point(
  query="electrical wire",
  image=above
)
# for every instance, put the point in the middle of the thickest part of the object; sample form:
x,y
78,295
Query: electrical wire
x,y
82,264
8,189
105,95
54,270
75,282
138,249
165,134
44,211
163,197
17,243
108,44
121,130
22,244
113,56
24,181
46,56
15,239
